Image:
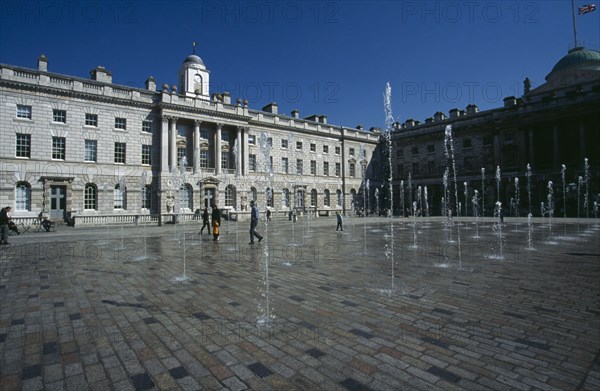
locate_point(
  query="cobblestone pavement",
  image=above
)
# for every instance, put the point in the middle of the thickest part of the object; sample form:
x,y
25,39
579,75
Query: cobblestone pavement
x,y
306,309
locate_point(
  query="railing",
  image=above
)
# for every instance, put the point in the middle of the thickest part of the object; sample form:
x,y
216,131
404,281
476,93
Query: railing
x,y
25,221
114,219
94,87
62,82
26,75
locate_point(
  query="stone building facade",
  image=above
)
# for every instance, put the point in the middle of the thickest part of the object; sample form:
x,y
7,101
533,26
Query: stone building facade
x,y
555,124
89,151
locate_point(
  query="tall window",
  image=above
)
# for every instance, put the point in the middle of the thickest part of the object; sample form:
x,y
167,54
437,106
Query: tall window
x,y
91,119
326,168
203,158
204,134
58,148
121,123
326,200
313,147
224,160
91,151
337,150
313,167
252,139
252,162
299,166
90,197
299,145
284,165
147,126
285,198
120,152
269,196
23,196
146,154
59,116
180,154
119,198
351,151
23,145
146,197
24,111
284,143
352,169
225,136
253,194
313,197
338,197
325,148
338,169
229,195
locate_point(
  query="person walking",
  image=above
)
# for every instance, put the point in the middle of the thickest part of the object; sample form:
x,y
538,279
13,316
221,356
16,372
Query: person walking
x,y
216,221
340,221
254,223
4,221
205,222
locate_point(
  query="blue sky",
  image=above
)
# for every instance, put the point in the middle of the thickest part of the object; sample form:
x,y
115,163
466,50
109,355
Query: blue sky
x,y
321,57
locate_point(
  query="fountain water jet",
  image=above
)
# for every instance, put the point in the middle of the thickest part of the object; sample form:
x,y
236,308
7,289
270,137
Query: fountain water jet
x,y
450,155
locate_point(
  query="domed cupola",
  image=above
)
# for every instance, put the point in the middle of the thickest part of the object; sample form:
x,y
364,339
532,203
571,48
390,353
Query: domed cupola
x,y
194,77
578,59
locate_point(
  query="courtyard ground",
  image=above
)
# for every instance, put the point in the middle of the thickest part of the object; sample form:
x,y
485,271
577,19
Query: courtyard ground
x,y
134,308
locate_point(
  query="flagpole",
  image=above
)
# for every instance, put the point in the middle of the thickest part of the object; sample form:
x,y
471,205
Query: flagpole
x,y
574,26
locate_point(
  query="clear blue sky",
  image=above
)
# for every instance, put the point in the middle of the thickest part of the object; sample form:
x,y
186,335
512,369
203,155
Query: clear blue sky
x,y
321,57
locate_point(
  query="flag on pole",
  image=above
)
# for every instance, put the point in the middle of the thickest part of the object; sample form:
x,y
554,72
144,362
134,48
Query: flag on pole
x,y
584,9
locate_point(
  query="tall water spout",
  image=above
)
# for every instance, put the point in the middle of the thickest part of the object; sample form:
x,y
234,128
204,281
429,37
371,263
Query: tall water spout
x,y
529,186
450,155
389,123
482,192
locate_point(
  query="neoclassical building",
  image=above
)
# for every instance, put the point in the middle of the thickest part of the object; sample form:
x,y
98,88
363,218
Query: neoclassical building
x,y
555,124
89,151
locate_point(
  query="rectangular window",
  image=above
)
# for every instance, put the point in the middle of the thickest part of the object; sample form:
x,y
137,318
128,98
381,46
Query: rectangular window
x,y
326,168
338,169
351,151
58,148
121,123
488,140
325,148
299,166
146,197
23,145
251,139
120,152
299,145
23,111
204,134
414,150
270,141
284,165
146,154
91,151
284,143
509,137
147,126
431,167
431,148
313,167
91,120
467,143
180,155
352,170
224,161
338,150
225,136
400,169
59,116
313,147
415,168
204,158
252,162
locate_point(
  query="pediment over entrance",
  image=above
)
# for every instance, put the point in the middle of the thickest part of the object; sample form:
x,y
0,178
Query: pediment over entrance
x,y
209,181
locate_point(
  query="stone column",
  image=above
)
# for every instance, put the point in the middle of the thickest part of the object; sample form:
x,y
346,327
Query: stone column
x,y
197,124
245,150
164,144
173,144
218,149
238,153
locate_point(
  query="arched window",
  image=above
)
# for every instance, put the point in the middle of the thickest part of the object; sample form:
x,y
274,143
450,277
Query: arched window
x,y
313,197
352,168
338,197
120,198
253,194
285,198
230,195
300,198
146,197
269,196
326,201
186,196
353,199
23,196
90,197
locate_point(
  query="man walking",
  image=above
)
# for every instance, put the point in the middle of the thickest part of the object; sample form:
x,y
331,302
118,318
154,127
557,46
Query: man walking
x,y
205,222
254,223
4,220
340,221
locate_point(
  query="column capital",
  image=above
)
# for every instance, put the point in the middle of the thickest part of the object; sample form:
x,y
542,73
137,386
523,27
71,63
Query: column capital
x,y
198,122
220,125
